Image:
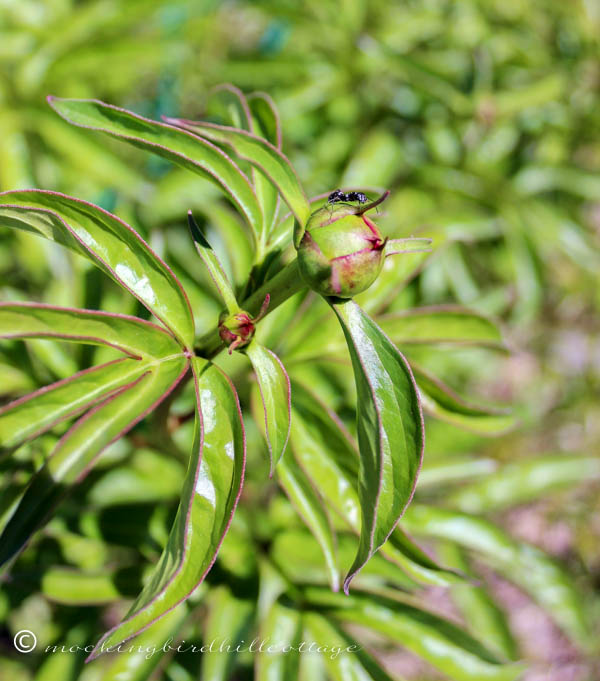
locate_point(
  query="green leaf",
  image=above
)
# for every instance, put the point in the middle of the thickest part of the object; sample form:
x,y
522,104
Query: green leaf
x,y
483,423
139,664
174,144
390,429
344,658
77,451
525,565
433,638
482,615
329,457
300,558
34,414
310,507
524,481
110,244
265,122
281,628
212,488
74,587
132,336
260,153
214,267
265,117
441,325
274,386
228,622
447,398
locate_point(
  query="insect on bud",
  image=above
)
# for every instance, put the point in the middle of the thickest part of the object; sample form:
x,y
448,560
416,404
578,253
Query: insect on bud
x,y
341,251
237,330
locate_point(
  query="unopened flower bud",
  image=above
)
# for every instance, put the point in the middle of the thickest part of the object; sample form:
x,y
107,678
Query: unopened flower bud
x,y
237,330
341,251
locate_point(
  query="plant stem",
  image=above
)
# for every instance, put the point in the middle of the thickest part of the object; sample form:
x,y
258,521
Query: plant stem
x,y
282,286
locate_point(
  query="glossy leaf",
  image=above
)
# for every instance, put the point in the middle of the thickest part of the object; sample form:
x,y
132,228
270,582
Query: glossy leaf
x,y
260,153
390,429
110,244
209,497
310,507
527,566
214,267
77,451
274,386
34,414
437,640
524,481
135,337
265,123
442,324
174,144
329,457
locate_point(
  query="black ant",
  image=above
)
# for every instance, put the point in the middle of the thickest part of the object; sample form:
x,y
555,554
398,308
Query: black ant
x,y
338,196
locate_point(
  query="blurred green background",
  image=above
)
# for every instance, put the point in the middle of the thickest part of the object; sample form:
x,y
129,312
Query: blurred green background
x,y
483,119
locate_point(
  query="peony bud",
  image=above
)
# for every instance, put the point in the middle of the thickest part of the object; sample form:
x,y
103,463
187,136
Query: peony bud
x,y
237,330
341,251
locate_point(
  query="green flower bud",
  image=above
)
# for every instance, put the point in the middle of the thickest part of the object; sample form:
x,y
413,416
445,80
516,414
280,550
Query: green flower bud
x,y
341,251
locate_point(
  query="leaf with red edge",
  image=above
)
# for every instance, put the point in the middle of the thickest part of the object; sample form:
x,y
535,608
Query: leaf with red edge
x,y
275,392
77,451
390,429
211,491
110,244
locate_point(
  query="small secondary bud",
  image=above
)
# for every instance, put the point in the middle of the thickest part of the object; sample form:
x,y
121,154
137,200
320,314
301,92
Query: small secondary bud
x,y
237,330
341,251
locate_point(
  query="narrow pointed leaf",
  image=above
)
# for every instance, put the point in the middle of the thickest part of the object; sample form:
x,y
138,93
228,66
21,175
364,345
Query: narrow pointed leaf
x,y
211,490
110,244
260,153
34,414
79,448
390,429
174,144
214,267
433,638
525,565
265,123
266,117
308,504
329,458
275,393
135,337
